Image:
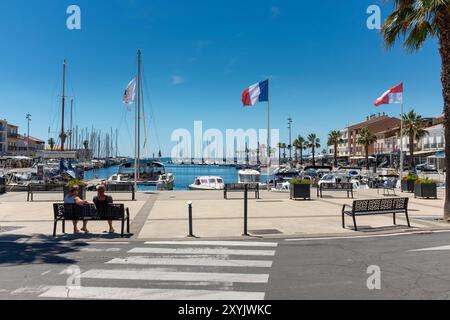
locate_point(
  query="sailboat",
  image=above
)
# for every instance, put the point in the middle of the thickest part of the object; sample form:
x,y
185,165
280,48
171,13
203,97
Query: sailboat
x,y
141,172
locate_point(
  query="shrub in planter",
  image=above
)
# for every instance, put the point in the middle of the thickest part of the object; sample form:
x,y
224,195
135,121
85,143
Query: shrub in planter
x,y
425,188
300,189
408,183
76,182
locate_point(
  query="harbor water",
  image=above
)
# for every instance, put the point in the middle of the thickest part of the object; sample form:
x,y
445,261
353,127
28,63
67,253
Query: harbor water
x,y
184,174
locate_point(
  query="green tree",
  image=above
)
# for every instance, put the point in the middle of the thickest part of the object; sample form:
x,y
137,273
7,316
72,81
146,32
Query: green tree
x,y
366,138
51,142
313,143
86,144
335,139
279,146
416,21
413,129
300,145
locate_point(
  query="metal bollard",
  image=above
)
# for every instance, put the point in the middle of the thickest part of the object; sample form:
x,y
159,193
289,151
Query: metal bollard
x,y
191,229
246,211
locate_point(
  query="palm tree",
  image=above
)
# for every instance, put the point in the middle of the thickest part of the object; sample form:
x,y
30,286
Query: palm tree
x,y
313,143
51,143
414,130
86,144
335,139
300,145
284,146
419,20
367,138
279,146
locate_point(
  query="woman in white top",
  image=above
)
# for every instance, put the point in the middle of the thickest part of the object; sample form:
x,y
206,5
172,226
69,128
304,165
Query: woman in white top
x,y
74,198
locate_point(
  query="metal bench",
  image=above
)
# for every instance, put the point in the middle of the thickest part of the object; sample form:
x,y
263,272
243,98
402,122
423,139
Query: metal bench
x,y
346,186
72,212
43,188
376,207
240,187
122,188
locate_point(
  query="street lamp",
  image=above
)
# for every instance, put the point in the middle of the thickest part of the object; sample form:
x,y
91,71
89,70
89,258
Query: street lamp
x,y
290,137
28,117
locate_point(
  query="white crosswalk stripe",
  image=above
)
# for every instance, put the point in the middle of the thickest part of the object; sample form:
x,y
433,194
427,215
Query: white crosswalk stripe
x,y
167,270
210,262
98,293
205,251
216,243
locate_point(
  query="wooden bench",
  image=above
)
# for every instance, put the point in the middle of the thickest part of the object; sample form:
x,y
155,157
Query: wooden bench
x,y
240,187
346,186
72,212
376,207
43,188
122,188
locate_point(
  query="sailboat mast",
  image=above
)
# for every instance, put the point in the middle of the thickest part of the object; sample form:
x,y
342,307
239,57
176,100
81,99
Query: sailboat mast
x,y
63,136
71,125
137,124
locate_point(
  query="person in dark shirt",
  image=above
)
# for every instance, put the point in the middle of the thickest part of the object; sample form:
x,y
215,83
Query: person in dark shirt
x,y
101,202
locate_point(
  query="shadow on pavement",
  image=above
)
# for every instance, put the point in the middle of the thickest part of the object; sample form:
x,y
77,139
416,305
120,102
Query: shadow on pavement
x,y
17,250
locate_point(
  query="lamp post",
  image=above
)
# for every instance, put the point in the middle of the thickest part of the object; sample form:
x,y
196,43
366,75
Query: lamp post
x,y
290,137
28,117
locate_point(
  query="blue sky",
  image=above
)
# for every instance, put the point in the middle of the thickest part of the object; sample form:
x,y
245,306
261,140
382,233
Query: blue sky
x,y
326,66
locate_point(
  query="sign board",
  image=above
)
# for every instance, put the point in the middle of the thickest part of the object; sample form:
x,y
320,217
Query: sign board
x,y
57,154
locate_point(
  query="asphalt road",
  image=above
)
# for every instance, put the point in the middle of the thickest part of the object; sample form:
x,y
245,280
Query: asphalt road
x,y
271,270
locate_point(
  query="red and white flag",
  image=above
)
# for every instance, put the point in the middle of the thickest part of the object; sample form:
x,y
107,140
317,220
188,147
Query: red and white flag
x,y
392,96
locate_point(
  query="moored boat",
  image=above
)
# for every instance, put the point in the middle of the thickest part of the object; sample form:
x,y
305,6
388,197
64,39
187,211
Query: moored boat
x,y
208,183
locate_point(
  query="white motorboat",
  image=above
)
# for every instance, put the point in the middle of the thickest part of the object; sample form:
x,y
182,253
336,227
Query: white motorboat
x,y
208,183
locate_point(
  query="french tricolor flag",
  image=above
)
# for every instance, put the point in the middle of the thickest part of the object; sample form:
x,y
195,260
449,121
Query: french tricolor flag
x,y
392,96
258,92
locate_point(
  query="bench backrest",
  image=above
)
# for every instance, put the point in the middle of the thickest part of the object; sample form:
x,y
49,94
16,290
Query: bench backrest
x,y
337,186
119,187
88,211
45,187
380,205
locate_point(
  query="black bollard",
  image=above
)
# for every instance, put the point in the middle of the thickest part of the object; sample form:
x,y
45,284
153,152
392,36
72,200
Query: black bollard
x,y
191,229
246,211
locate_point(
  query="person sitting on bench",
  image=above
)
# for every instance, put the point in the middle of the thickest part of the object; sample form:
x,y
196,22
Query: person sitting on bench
x,y
74,198
101,202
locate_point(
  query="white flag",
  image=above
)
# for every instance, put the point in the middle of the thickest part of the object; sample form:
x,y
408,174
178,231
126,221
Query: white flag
x,y
130,94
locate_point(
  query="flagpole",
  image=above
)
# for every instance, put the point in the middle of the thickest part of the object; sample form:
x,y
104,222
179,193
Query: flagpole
x,y
268,135
401,140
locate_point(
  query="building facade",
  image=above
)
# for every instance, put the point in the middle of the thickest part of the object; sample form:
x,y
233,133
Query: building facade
x,y
3,137
14,144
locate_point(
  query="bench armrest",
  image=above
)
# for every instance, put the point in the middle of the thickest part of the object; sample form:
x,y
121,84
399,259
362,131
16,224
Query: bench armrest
x,y
345,206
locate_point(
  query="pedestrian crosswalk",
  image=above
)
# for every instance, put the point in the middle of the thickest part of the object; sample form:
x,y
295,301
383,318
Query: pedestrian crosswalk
x,y
177,270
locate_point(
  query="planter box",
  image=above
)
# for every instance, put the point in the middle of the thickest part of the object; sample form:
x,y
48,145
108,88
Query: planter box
x,y
82,192
425,190
300,191
408,186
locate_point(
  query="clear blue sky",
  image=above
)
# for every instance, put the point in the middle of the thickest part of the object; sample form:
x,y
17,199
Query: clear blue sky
x,y
326,67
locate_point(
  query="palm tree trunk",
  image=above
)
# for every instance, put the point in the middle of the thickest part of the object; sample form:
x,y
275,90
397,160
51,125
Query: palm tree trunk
x,y
367,158
335,155
313,156
443,20
279,154
411,152
301,155
296,154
